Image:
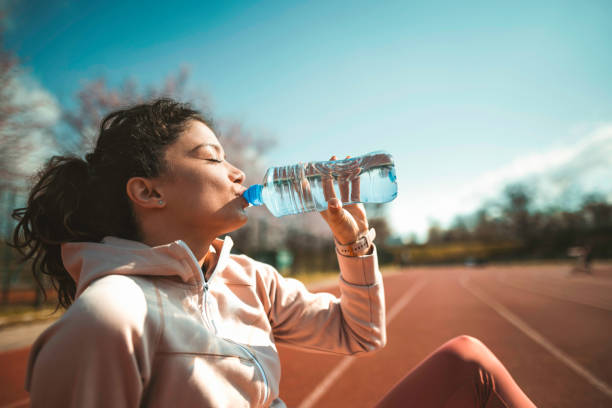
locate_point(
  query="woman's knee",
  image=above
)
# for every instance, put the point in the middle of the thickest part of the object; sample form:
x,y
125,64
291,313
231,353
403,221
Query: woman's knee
x,y
468,349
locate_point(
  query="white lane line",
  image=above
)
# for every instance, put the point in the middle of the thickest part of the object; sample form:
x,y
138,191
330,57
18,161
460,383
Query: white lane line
x,y
404,300
538,338
21,403
329,380
326,384
552,293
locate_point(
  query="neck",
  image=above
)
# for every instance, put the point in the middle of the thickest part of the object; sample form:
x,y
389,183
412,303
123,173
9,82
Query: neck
x,y
200,248
199,245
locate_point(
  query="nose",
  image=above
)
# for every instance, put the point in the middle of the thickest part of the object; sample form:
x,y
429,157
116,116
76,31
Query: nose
x,y
236,175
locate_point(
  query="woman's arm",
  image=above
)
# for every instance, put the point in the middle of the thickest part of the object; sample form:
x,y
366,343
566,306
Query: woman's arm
x,y
355,322
351,324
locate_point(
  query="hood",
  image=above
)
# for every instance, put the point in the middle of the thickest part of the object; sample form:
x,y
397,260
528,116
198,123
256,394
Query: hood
x,y
88,261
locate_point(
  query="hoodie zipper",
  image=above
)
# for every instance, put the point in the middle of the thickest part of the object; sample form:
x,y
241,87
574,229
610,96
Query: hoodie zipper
x,y
211,323
202,307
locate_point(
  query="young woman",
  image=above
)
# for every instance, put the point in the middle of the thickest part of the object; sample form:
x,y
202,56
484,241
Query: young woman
x,y
159,313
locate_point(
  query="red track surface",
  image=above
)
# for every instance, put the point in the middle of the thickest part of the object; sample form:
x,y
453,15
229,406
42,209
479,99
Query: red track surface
x,y
541,323
12,375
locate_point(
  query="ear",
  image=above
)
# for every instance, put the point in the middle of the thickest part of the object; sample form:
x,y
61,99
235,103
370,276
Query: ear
x,y
143,193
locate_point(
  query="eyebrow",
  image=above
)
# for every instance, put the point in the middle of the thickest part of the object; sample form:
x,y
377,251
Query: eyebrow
x,y
217,147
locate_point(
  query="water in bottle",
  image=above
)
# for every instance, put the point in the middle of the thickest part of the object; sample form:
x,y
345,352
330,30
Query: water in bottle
x,y
307,187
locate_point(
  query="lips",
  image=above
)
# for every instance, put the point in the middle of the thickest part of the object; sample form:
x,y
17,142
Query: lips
x,y
245,203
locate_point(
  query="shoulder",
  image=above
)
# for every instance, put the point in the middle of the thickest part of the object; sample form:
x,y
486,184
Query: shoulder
x,y
250,264
112,315
109,316
243,267
109,326
114,303
263,278
261,275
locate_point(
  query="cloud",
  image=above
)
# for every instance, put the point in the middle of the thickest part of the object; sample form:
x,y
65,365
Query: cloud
x,y
43,113
27,91
560,176
585,166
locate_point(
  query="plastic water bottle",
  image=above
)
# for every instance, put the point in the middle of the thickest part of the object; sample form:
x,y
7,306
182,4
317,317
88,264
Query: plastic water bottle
x,y
304,187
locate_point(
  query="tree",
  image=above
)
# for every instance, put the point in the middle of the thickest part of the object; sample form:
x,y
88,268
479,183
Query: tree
x,y
96,99
458,232
434,234
21,122
517,201
597,212
25,115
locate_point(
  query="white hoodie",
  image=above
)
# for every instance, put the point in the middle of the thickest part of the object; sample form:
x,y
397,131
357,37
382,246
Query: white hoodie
x,y
147,328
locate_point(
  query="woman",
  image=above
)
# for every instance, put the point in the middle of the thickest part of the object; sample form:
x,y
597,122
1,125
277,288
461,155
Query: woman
x,y
158,311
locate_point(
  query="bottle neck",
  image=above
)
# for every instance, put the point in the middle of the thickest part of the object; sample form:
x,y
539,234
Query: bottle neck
x,y
253,194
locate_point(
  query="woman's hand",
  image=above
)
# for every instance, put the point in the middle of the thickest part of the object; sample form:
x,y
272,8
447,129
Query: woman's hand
x,y
349,222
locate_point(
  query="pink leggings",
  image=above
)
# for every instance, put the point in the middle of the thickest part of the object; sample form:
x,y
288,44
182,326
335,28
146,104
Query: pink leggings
x,y
463,372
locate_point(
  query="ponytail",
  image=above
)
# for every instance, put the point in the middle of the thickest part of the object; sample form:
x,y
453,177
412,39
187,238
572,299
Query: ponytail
x,y
54,215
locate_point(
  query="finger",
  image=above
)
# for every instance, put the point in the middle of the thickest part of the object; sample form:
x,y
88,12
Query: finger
x,y
306,190
327,182
344,228
356,185
356,189
343,186
333,212
334,206
358,212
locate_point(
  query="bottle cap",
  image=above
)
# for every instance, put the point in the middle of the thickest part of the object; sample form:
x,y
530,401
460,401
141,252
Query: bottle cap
x,y
253,194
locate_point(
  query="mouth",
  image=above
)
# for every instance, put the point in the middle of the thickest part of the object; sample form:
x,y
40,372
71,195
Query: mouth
x,y
245,203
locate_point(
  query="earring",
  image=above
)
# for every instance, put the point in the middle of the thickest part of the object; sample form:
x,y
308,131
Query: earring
x,y
161,202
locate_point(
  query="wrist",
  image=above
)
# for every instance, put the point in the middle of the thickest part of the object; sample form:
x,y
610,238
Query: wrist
x,y
361,246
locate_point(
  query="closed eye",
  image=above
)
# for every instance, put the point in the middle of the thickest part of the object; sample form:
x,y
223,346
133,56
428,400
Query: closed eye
x,y
215,160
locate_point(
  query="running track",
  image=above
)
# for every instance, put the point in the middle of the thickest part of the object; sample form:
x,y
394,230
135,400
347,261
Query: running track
x,y
552,331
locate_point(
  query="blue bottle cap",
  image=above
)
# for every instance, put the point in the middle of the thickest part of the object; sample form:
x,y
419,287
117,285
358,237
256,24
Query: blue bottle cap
x,y
253,194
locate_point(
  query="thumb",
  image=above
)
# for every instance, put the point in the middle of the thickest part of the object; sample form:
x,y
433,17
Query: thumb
x,y
340,222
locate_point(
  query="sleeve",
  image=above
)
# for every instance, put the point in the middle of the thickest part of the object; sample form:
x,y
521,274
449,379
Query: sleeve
x,y
92,357
351,324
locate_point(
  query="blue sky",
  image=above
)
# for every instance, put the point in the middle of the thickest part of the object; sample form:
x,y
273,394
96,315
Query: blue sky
x,y
463,94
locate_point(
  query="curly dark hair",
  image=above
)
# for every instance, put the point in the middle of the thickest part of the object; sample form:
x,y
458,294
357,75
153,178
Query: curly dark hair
x,y
76,200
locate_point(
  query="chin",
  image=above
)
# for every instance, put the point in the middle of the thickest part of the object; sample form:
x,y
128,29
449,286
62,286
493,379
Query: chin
x,y
237,224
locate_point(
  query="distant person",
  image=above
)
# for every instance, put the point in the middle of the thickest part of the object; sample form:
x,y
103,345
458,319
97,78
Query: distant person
x,y
160,314
584,257
588,259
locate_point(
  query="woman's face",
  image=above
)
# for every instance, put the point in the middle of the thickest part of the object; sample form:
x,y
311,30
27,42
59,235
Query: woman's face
x,y
201,190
